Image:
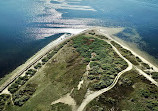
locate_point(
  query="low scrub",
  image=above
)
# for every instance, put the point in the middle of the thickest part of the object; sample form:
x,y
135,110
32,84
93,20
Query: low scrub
x,y
23,95
105,62
3,100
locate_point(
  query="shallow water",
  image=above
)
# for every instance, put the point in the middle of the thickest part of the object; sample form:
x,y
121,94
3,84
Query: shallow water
x,y
24,24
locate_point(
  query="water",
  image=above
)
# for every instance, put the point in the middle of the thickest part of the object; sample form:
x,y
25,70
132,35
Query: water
x,y
24,24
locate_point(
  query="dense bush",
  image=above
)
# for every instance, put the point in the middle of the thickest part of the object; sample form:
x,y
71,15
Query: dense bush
x,y
50,55
3,100
92,33
94,70
30,72
92,64
18,83
102,84
145,93
146,65
39,65
154,75
153,105
13,88
126,53
138,59
106,61
106,66
126,82
87,60
92,77
102,37
20,97
96,58
60,107
45,59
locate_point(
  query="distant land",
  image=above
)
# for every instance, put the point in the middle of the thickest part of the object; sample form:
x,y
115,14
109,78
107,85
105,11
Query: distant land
x,y
89,71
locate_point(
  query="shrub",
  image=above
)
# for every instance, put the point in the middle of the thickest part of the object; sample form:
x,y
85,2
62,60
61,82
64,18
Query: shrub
x,y
30,72
145,93
87,60
105,67
13,88
138,59
146,65
154,75
3,100
110,101
92,64
39,65
92,77
100,85
45,59
60,107
20,97
96,58
51,54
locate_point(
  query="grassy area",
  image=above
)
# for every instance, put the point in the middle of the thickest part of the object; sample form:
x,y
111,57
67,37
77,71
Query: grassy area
x,y
55,79
61,107
78,95
132,93
105,63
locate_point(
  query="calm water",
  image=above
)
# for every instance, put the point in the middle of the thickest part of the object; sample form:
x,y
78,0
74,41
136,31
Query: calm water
x,y
28,25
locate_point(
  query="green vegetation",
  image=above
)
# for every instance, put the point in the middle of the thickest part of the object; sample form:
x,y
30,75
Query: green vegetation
x,y
39,65
21,81
132,58
102,37
30,72
138,59
50,55
132,93
92,32
79,95
4,100
127,54
67,67
155,75
55,79
44,60
105,63
146,65
23,95
61,107
18,83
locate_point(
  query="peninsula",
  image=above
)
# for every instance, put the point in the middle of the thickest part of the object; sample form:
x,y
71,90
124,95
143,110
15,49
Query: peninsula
x,y
89,71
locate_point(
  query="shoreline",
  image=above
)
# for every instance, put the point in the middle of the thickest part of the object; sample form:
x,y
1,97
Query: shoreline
x,y
109,32
137,50
131,46
126,46
9,78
